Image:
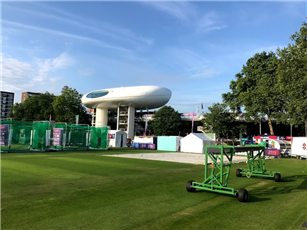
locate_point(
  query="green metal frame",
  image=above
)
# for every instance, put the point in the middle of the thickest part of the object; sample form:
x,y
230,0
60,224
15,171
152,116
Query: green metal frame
x,y
255,161
217,180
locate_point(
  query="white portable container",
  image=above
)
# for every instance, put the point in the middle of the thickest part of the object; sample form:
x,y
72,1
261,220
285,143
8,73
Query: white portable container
x,y
299,147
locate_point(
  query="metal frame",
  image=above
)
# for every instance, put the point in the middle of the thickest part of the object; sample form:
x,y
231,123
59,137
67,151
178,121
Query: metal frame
x,y
87,135
217,180
255,161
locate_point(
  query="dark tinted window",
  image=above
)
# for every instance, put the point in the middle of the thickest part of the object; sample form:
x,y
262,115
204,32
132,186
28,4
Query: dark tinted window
x,y
96,94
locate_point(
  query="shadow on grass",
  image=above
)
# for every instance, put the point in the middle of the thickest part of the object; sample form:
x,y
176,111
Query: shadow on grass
x,y
283,188
251,198
303,185
292,178
275,188
288,179
254,199
283,179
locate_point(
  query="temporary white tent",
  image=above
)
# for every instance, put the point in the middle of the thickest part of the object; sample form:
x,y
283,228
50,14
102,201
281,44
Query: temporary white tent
x,y
195,143
117,138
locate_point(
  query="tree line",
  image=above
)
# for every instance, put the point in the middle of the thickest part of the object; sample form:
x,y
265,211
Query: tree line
x,y
62,108
271,85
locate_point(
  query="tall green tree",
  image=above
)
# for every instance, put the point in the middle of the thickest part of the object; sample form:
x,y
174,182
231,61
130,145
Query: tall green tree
x,y
222,122
292,77
68,105
256,89
38,107
17,111
166,121
64,89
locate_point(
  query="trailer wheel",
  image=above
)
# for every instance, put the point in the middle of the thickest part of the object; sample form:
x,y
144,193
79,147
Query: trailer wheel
x,y
242,195
238,172
189,184
277,177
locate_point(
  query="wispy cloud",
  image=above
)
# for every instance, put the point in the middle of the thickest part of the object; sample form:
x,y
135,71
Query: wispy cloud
x,y
101,27
207,73
64,34
16,75
86,72
192,64
187,13
44,67
38,76
180,10
208,22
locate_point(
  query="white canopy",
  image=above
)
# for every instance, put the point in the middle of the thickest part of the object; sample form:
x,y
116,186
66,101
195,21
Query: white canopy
x,y
195,143
117,138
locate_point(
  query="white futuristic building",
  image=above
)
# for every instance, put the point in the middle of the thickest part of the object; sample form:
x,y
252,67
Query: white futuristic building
x,y
126,100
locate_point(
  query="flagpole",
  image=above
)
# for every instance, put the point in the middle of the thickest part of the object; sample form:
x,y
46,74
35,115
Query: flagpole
x,y
146,123
192,123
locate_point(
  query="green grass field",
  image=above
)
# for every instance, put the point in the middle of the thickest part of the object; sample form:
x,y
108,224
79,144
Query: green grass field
x,y
86,190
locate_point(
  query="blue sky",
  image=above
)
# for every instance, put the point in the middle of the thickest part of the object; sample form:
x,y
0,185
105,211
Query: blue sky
x,y
193,48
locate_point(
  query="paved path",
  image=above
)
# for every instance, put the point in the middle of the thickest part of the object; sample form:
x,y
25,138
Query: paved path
x,y
190,158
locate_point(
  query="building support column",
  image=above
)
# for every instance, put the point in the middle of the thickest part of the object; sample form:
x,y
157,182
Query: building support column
x,y
101,117
130,129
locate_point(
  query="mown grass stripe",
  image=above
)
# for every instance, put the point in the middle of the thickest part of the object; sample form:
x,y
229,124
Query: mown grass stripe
x,y
87,191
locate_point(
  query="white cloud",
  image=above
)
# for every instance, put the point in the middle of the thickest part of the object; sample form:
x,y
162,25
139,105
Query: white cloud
x,y
61,61
16,75
181,10
39,76
64,34
207,73
209,22
187,13
86,72
101,27
45,67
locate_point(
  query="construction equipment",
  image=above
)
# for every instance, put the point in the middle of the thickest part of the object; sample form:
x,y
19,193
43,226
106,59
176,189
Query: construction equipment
x,y
217,179
255,163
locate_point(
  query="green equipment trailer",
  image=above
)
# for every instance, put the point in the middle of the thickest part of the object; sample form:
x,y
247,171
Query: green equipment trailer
x,y
217,179
256,163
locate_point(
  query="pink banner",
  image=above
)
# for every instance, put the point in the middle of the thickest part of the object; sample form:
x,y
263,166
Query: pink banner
x,y
272,152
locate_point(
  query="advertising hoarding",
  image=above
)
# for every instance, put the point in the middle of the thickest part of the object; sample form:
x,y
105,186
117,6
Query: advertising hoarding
x,y
57,136
4,135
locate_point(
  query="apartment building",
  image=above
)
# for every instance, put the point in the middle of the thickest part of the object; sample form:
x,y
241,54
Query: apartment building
x,y
7,100
26,95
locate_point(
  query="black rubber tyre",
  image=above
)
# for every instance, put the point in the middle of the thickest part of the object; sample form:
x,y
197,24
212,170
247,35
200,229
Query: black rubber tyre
x,y
189,188
238,172
242,195
277,177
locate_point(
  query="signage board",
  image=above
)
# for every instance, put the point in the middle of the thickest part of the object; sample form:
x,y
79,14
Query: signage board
x,y
272,152
4,135
57,136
